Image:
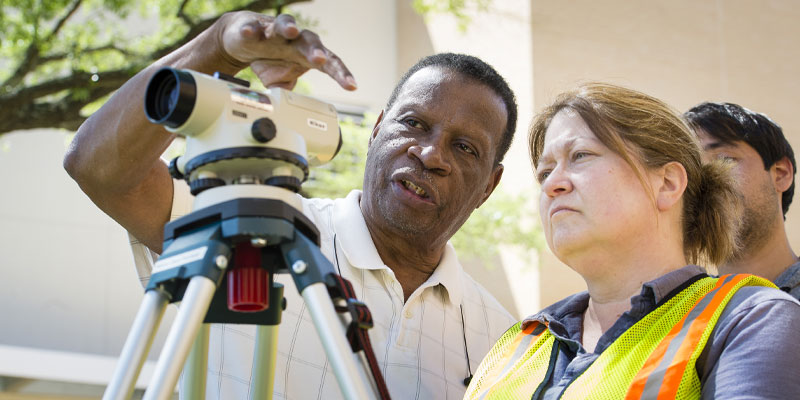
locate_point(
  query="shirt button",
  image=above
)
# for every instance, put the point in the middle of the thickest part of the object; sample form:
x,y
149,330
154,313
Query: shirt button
x,y
408,314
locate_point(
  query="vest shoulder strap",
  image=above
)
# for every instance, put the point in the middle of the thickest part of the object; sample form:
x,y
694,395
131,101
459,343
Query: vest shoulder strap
x,y
655,358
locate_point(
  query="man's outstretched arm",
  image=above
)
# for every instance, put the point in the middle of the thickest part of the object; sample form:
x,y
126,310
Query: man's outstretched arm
x,y
114,157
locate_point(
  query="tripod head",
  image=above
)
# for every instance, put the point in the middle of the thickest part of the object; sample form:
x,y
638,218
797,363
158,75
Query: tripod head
x,y
235,135
243,147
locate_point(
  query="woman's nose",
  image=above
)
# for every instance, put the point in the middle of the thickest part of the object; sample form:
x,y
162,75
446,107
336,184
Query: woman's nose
x,y
557,183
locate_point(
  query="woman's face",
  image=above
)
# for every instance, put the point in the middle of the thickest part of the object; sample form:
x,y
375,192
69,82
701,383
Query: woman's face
x,y
591,200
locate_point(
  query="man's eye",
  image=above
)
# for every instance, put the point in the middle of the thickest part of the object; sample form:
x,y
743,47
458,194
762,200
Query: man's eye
x,y
465,148
413,122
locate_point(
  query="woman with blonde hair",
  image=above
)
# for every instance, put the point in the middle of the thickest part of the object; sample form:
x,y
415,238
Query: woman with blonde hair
x,y
627,203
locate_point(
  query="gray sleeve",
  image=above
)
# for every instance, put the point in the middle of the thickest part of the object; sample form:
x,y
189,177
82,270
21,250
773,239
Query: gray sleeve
x,y
754,351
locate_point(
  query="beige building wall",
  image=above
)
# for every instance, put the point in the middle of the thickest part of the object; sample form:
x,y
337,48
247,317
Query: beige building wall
x,y
681,51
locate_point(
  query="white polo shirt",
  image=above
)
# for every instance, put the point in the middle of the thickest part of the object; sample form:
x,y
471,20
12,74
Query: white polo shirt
x,y
419,344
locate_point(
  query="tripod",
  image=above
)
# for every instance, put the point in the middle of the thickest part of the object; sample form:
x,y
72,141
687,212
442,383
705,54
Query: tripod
x,y
219,262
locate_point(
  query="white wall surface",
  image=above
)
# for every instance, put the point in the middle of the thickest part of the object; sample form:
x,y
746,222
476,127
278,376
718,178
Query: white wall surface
x,y
68,279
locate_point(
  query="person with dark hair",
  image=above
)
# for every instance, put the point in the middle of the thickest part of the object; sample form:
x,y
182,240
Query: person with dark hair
x,y
627,202
434,156
764,168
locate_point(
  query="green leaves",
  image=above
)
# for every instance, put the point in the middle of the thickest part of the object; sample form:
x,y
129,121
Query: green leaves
x,y
457,8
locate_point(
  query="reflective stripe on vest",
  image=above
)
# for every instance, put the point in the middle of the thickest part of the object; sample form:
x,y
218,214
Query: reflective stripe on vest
x,y
654,359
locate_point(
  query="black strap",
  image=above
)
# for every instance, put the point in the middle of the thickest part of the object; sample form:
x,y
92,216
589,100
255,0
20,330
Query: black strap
x,y
341,289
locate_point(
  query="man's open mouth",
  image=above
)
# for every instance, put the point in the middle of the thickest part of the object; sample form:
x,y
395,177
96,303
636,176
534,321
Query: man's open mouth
x,y
414,188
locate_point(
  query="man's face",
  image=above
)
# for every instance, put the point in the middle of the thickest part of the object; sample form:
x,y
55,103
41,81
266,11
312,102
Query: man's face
x,y
754,184
430,160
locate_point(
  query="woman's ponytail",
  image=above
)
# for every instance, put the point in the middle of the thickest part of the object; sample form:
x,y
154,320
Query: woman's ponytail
x,y
712,212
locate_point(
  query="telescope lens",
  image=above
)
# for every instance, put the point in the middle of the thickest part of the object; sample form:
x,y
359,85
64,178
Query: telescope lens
x,y
170,97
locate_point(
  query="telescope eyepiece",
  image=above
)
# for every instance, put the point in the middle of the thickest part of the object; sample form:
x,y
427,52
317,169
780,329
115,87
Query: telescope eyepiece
x,y
170,97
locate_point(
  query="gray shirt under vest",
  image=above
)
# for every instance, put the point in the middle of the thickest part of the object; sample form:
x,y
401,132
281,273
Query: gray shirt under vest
x,y
789,280
753,353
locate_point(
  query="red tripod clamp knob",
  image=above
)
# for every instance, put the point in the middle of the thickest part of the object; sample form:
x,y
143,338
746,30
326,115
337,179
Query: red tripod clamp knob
x,y
248,283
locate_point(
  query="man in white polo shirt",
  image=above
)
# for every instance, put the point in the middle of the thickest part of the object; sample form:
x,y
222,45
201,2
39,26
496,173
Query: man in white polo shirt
x,y
434,156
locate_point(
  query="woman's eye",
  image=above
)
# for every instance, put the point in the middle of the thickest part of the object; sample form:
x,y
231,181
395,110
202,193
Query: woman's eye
x,y
580,154
543,175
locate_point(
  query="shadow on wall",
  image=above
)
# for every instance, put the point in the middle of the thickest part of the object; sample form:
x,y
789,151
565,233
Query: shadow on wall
x,y
413,40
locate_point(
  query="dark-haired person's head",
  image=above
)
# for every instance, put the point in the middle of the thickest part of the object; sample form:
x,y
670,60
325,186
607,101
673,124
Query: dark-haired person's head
x,y
434,153
723,126
763,167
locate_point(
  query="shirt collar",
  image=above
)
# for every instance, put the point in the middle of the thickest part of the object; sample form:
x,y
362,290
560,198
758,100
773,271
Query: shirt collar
x,y
653,292
790,278
359,250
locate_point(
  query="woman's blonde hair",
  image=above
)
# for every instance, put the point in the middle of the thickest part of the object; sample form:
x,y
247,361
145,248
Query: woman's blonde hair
x,y
645,131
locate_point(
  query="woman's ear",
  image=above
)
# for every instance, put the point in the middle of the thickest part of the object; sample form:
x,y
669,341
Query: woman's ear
x,y
670,185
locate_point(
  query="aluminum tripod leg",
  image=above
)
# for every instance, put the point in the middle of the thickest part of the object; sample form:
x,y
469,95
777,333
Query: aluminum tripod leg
x,y
137,345
351,378
181,336
266,351
193,385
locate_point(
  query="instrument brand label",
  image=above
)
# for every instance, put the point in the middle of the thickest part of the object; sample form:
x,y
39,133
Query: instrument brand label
x,y
317,124
178,260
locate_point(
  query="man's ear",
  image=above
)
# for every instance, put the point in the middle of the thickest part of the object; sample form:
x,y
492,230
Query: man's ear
x,y
670,185
782,174
493,182
375,128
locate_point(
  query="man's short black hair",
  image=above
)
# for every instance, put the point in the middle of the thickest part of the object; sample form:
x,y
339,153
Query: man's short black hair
x,y
477,69
728,123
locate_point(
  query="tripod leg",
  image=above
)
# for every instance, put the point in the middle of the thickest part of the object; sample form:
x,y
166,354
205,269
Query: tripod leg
x,y
137,345
263,376
351,378
193,385
190,316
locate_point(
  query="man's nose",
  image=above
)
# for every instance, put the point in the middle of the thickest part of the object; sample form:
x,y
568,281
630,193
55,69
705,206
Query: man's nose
x,y
432,155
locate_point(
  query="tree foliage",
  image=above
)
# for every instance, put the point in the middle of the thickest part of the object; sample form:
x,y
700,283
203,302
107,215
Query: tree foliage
x,y
58,56
460,9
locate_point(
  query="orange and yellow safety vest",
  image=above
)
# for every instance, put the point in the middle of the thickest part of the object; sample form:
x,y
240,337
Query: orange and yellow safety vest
x,y
654,359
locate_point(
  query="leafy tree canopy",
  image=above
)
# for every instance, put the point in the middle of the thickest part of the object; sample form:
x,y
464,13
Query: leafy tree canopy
x,y
58,56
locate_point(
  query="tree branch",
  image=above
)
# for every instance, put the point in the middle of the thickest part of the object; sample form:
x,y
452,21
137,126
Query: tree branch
x,y
77,79
64,19
60,56
60,113
182,15
31,60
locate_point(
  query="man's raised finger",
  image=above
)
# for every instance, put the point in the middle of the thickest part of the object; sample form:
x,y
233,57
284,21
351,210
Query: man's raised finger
x,y
286,26
335,67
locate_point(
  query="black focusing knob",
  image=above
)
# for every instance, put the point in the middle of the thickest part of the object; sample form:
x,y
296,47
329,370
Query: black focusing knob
x,y
286,182
263,130
199,185
231,79
173,169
